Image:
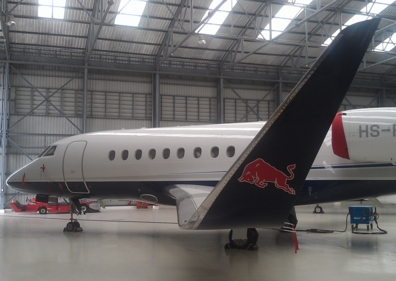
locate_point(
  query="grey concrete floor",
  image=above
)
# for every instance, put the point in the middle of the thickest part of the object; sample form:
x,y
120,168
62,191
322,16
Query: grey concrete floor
x,y
126,244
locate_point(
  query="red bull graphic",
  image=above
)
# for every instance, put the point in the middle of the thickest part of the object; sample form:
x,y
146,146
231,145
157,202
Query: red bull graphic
x,y
261,173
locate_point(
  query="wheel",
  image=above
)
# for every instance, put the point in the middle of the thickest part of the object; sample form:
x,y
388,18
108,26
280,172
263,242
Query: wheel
x,y
76,224
42,210
237,243
70,226
248,243
318,210
83,209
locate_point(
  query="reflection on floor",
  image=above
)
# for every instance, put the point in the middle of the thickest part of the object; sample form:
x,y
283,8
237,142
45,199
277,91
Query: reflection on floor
x,y
145,244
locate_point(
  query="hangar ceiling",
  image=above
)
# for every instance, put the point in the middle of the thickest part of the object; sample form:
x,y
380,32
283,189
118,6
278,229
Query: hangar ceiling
x,y
172,37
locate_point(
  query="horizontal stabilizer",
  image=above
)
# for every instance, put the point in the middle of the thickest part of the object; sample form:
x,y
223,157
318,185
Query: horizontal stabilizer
x,y
262,186
188,199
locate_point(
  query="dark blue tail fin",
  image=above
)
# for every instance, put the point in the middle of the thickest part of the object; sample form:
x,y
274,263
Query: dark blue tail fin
x,y
261,187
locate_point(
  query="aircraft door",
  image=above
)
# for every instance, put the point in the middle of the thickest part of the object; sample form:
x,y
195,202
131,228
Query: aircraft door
x,y
73,173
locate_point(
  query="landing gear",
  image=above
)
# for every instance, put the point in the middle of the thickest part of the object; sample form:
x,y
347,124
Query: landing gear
x,y
243,241
73,225
318,210
292,218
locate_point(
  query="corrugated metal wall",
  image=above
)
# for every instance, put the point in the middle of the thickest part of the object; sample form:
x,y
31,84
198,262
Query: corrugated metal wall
x,y
187,102
248,103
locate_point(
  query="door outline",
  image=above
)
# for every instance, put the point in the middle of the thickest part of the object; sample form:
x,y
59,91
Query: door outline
x,y
86,191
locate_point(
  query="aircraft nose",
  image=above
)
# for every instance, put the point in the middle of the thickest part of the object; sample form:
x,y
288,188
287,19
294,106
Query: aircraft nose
x,y
16,180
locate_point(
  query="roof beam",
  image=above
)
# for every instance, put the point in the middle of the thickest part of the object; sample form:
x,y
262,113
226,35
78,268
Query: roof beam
x,y
250,22
4,27
290,28
206,19
170,27
94,34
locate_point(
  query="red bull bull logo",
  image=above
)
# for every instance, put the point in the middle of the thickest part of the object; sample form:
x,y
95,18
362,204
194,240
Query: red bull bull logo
x,y
261,173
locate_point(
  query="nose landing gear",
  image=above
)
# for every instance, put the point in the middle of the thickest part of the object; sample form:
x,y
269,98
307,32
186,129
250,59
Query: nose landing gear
x,y
73,225
242,240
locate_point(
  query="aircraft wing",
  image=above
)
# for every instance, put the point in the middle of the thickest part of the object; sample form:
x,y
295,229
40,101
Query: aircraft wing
x,y
261,187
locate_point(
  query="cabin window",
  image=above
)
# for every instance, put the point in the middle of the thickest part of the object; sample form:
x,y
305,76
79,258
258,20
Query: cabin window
x,y
124,154
112,155
214,151
166,153
197,152
180,153
230,151
138,154
152,153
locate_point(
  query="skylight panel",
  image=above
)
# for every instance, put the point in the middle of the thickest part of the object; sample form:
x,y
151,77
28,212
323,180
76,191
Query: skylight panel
x,y
52,9
283,18
214,23
375,7
386,45
130,12
353,20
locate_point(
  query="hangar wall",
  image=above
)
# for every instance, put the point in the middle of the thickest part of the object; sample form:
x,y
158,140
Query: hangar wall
x,y
114,101
125,100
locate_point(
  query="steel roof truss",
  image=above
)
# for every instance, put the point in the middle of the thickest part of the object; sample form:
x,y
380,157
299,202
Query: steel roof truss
x,y
235,45
289,29
94,34
165,40
208,17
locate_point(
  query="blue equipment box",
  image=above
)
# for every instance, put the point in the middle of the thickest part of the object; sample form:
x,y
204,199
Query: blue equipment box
x,y
361,214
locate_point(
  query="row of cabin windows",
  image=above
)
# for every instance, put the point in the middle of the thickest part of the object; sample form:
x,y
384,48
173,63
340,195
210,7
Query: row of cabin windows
x,y
214,152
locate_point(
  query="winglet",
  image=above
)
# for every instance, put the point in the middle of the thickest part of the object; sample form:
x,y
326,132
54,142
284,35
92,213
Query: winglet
x,y
261,187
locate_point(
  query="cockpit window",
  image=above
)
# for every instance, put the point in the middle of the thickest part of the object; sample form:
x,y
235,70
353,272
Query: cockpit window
x,y
44,151
50,151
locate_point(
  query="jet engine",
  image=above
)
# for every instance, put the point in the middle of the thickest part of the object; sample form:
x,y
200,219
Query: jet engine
x,y
365,135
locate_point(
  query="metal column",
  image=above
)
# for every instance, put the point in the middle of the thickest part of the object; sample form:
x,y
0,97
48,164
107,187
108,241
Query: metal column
x,y
84,116
4,126
220,101
156,97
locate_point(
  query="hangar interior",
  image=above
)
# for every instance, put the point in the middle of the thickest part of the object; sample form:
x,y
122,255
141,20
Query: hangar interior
x,y
76,66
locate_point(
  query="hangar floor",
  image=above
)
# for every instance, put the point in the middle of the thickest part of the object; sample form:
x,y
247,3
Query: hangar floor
x,y
145,244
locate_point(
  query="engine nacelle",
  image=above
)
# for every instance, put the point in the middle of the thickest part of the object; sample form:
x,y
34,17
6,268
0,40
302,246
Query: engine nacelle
x,y
367,135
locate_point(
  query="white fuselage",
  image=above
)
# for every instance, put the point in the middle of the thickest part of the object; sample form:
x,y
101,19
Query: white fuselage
x,y
114,156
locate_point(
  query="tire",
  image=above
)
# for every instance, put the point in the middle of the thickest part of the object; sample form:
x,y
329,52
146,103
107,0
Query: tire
x,y
83,209
318,210
70,227
252,237
240,243
42,210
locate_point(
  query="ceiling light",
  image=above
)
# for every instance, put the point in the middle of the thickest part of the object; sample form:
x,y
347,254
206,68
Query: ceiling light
x,y
10,21
201,40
